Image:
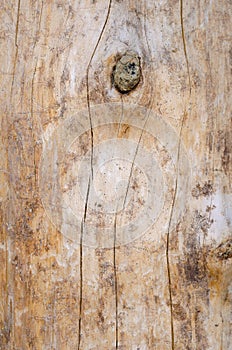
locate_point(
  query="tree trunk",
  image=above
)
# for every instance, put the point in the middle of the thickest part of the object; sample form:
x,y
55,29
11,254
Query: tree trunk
x,y
116,175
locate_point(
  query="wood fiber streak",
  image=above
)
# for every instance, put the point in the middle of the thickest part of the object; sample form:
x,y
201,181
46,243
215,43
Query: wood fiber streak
x,y
169,288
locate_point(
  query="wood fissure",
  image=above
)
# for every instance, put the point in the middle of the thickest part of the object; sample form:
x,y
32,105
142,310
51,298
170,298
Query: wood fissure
x,y
87,80
32,124
184,45
116,284
17,48
81,264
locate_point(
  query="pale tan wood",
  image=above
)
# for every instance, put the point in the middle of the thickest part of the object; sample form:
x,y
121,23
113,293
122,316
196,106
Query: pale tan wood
x,y
170,288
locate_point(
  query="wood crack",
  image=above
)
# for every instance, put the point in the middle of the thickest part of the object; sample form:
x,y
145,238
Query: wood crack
x,y
133,161
17,24
115,282
91,164
39,26
168,235
176,183
121,117
32,121
145,29
87,80
184,44
81,266
17,48
81,286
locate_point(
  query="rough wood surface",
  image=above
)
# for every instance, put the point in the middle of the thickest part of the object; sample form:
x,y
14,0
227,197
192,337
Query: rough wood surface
x,y
115,208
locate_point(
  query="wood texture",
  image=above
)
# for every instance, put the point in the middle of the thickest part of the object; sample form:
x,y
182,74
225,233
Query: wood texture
x,y
170,285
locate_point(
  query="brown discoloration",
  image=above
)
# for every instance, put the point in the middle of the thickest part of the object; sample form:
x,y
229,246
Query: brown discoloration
x,y
227,153
179,312
193,264
205,190
124,131
224,250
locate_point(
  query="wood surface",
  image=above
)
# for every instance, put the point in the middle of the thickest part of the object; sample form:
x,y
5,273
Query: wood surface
x,y
74,276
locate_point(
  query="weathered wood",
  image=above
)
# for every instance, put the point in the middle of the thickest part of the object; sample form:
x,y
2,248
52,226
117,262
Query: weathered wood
x,y
74,276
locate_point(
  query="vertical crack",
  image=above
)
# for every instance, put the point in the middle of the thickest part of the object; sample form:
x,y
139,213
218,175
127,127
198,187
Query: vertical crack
x,y
16,50
17,24
121,118
87,196
176,182
32,100
168,235
115,282
87,80
81,287
81,266
184,43
32,121
141,135
133,161
39,26
145,29
10,315
114,248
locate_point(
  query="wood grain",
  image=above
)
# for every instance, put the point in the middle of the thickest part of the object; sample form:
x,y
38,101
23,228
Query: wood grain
x,y
170,288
